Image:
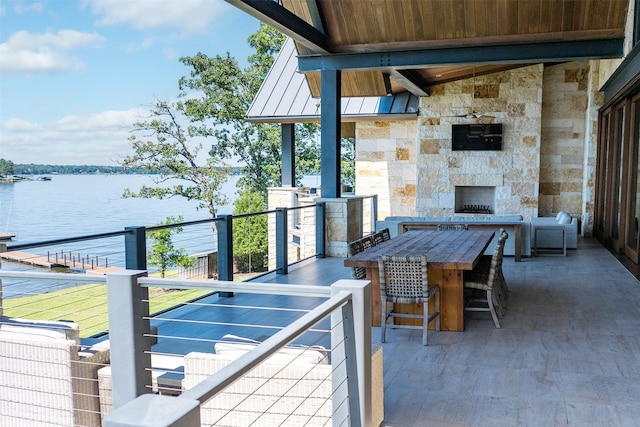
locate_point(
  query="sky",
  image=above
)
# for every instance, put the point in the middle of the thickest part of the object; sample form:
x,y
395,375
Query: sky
x,y
76,74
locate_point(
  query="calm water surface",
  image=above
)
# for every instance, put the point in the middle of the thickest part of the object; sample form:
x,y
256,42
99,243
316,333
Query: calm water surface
x,y
73,205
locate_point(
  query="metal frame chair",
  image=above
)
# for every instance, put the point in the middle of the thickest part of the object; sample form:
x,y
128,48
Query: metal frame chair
x,y
404,280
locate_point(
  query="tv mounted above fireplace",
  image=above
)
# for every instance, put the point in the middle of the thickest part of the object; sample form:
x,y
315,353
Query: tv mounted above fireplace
x,y
476,137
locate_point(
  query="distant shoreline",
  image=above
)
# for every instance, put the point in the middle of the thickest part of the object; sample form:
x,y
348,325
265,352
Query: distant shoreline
x,y
35,169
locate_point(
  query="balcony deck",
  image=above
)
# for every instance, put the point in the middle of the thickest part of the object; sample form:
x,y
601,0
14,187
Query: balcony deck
x,y
568,352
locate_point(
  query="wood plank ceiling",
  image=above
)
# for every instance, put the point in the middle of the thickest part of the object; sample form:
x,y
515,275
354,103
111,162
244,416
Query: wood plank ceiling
x,y
379,26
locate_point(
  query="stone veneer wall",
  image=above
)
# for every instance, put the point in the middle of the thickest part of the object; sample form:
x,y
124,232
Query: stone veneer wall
x,y
514,98
547,164
386,165
562,149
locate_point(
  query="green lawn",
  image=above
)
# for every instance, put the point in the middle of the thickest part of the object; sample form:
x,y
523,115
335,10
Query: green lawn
x,y
86,305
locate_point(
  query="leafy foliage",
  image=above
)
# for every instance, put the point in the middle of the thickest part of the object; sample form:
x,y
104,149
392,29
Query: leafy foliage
x,y
348,161
6,167
250,242
227,92
174,156
163,254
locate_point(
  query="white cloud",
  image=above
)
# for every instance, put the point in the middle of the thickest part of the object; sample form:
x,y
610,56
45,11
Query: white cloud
x,y
147,43
188,16
40,52
26,7
20,125
97,139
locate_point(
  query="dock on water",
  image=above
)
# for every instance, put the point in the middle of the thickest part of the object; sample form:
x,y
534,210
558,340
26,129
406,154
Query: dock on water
x,y
48,261
6,236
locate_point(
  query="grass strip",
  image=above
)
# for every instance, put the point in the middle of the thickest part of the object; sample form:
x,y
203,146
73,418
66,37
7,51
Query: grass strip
x,y
86,305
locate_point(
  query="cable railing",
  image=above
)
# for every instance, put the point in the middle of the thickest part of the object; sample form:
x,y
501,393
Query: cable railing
x,y
228,247
285,345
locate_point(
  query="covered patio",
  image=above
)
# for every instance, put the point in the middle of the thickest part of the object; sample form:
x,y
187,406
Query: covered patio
x,y
566,354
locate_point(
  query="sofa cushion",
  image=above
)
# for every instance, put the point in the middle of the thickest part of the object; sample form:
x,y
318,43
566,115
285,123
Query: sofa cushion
x,y
564,218
39,329
232,347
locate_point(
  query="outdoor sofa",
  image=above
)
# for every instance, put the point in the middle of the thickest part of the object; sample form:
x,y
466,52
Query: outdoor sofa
x,y
47,378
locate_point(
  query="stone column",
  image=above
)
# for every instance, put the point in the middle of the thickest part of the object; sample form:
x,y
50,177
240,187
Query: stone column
x,y
343,224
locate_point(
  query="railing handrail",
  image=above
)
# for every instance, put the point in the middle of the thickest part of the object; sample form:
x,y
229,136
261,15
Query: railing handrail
x,y
228,286
14,247
67,240
28,274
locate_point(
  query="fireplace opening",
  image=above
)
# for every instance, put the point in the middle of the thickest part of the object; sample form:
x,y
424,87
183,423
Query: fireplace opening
x,y
475,199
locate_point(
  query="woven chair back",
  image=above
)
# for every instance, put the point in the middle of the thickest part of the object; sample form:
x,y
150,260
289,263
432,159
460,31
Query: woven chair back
x,y
404,279
367,242
496,259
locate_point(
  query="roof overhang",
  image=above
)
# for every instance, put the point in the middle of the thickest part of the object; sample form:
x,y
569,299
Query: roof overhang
x,y
390,46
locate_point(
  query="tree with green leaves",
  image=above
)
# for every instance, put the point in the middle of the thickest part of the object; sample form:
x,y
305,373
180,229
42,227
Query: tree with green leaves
x,y
6,167
250,240
163,254
165,145
227,92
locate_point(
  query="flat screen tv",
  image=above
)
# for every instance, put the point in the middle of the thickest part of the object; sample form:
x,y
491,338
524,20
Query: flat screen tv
x,y
476,137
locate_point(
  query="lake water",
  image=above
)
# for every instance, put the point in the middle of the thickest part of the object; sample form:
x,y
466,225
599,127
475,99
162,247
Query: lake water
x,y
79,205
75,205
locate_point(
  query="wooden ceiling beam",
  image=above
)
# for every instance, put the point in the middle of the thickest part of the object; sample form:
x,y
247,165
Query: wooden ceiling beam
x,y
521,53
276,16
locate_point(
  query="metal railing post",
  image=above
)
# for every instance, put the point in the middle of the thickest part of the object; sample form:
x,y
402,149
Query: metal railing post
x,y
135,247
129,336
320,226
156,410
225,250
351,339
282,247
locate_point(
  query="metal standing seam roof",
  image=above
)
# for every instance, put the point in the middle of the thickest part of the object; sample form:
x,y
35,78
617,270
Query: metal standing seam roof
x,y
285,97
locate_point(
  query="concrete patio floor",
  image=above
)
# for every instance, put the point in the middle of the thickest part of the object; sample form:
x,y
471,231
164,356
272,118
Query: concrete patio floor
x,y
568,352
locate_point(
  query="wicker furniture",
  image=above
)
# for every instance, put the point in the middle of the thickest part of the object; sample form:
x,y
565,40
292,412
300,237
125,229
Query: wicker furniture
x,y
449,255
277,392
367,242
46,377
381,236
404,280
364,243
486,280
356,247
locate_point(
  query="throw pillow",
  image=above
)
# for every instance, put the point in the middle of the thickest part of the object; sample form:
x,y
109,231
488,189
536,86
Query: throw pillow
x,y
565,219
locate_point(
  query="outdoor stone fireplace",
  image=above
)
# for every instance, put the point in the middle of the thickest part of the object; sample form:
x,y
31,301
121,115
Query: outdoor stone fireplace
x,y
475,199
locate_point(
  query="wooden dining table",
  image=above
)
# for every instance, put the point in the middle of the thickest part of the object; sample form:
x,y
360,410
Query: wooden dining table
x,y
449,254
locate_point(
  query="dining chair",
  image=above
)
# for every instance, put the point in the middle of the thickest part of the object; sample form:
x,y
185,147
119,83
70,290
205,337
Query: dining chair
x,y
487,281
404,280
452,227
377,238
485,263
381,236
355,247
367,242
